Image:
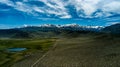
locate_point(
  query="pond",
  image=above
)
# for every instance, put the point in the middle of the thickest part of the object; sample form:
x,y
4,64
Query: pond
x,y
16,49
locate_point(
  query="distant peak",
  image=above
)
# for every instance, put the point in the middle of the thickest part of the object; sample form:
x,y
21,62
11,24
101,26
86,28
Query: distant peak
x,y
73,25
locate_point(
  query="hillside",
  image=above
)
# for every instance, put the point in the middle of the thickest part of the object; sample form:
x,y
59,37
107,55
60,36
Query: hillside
x,y
46,31
114,29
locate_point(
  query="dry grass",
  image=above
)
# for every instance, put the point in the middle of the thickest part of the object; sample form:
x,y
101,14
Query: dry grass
x,y
83,52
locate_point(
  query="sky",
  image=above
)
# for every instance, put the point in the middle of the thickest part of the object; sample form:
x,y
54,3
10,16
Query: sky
x,y
16,13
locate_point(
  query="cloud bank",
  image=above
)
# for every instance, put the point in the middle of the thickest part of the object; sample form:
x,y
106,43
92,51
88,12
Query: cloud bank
x,y
64,8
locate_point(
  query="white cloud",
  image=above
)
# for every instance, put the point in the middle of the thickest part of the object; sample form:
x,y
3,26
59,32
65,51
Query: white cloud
x,y
22,7
57,8
18,5
7,2
66,16
48,19
87,7
112,7
38,9
84,8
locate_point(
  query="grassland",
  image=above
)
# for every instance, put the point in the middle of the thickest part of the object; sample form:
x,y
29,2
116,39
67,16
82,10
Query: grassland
x,y
84,51
34,46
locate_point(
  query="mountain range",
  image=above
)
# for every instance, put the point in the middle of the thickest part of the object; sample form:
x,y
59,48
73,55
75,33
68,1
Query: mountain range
x,y
114,29
49,30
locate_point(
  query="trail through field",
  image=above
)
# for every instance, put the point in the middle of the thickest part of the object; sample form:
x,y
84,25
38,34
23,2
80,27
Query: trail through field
x,y
39,59
63,53
80,52
27,61
33,59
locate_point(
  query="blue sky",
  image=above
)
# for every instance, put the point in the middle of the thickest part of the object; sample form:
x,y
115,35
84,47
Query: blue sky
x,y
16,13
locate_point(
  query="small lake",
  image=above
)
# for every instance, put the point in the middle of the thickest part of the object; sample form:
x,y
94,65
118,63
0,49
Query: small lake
x,y
16,49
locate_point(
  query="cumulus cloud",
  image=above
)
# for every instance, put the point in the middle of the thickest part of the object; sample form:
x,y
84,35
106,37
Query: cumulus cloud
x,y
112,7
87,7
59,8
22,7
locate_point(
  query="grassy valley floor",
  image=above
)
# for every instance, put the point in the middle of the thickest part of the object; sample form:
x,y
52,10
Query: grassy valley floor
x,y
86,51
34,49
83,51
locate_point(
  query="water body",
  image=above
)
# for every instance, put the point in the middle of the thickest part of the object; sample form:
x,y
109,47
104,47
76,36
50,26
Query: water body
x,y
16,49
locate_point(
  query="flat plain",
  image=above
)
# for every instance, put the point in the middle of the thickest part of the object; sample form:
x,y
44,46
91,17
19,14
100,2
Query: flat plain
x,y
82,51
35,48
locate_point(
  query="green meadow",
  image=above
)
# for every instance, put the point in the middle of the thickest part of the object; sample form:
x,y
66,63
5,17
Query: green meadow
x,y
32,46
85,50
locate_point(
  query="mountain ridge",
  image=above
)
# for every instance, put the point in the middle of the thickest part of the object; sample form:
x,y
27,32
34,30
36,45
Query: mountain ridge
x,y
50,30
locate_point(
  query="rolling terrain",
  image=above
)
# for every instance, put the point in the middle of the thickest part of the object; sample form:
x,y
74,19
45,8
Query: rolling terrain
x,y
67,47
84,51
90,50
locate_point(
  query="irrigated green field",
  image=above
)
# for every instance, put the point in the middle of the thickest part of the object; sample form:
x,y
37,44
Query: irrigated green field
x,y
35,48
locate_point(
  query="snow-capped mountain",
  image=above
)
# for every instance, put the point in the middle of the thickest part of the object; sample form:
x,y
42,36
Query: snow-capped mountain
x,y
73,27
54,30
